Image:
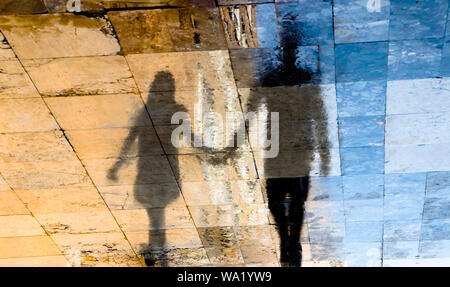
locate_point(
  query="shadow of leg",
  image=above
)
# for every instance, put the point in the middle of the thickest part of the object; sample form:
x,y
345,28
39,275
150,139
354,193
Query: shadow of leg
x,y
157,239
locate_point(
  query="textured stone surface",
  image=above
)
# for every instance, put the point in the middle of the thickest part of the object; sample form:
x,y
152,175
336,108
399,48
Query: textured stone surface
x,y
187,30
417,19
414,59
109,111
81,76
29,246
353,22
61,36
11,7
361,61
25,115
14,82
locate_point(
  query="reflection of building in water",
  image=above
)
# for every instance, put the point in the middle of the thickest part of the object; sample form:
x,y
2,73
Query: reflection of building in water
x,y
240,25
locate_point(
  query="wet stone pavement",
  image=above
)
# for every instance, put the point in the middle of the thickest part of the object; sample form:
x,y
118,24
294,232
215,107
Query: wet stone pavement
x,y
89,176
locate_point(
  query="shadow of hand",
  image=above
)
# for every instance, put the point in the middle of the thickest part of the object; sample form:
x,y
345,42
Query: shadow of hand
x,y
112,174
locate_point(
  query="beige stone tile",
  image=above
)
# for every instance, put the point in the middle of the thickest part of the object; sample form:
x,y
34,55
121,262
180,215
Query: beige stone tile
x,y
107,143
172,238
90,112
59,35
10,204
26,147
45,261
45,174
11,7
229,215
19,225
64,200
142,196
14,82
163,218
6,53
222,192
3,185
190,71
30,246
81,222
97,249
168,30
134,171
297,163
25,115
81,76
214,166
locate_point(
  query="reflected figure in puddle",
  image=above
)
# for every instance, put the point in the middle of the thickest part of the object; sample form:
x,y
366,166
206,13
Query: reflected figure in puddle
x,y
154,253
303,133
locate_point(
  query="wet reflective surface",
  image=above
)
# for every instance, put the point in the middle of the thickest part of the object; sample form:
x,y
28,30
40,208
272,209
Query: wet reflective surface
x,y
89,175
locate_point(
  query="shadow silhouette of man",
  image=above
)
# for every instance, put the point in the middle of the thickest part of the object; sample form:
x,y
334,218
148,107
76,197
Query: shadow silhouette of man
x,y
303,137
155,253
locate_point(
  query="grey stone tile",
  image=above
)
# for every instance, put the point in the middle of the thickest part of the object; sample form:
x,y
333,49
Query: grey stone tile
x,y
313,21
363,231
399,207
330,233
416,19
354,22
437,206
438,182
413,59
416,129
435,249
362,160
364,210
325,188
411,185
361,61
434,157
363,254
401,230
324,211
363,186
363,98
400,249
438,229
361,131
418,96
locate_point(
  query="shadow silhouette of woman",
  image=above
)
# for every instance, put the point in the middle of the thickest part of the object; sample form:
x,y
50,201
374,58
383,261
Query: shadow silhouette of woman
x,y
303,137
155,253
